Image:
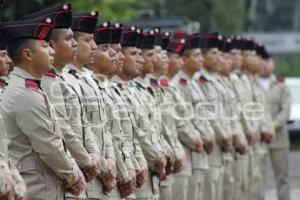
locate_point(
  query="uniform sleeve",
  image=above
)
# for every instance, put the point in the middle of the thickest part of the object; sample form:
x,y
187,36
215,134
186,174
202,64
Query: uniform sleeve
x,y
35,121
286,101
56,94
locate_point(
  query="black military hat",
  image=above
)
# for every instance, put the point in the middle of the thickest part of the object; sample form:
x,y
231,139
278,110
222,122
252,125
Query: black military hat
x,y
192,41
61,15
116,33
261,51
102,33
147,41
85,22
213,40
176,46
226,45
237,42
248,44
39,29
129,37
161,39
139,36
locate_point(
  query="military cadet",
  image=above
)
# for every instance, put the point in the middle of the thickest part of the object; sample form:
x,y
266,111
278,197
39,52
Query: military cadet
x,y
248,69
80,79
85,153
266,127
4,70
37,147
239,141
187,134
147,112
279,102
133,63
193,61
208,82
8,172
233,115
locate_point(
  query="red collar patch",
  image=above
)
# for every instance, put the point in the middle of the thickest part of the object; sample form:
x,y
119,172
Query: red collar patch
x,y
202,80
154,83
33,84
164,82
280,79
51,73
183,82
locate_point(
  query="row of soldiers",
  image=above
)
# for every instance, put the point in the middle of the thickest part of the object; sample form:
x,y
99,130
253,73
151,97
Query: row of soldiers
x,y
107,112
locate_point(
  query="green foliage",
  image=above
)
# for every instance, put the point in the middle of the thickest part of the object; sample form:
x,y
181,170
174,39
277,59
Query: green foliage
x,y
287,65
113,10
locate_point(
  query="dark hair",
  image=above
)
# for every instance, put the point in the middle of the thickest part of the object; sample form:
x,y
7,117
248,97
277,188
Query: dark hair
x,y
55,33
76,34
14,49
187,52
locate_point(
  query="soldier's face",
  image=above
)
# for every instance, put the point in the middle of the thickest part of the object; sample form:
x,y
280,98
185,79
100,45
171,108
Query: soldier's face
x,y
140,61
175,63
250,61
41,56
105,59
267,68
212,59
165,62
119,55
5,62
149,58
159,61
64,45
130,67
194,61
236,58
227,63
86,48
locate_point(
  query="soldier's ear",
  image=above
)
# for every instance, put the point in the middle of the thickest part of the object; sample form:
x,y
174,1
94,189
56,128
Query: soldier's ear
x,y
27,54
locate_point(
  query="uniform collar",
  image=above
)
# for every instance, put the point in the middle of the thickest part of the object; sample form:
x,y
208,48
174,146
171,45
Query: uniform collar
x,y
23,74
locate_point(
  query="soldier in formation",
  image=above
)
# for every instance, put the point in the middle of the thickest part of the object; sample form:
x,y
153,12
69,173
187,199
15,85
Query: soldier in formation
x,y
100,111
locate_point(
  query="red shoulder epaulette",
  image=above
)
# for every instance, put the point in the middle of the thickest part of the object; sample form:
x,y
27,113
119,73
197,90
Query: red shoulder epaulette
x,y
183,82
280,79
202,79
34,84
51,73
164,82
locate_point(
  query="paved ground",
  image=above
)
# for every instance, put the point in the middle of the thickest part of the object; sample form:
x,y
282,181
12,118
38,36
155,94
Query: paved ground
x,y
294,173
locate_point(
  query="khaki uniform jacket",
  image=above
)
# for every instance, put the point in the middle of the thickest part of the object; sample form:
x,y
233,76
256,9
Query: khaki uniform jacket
x,y
96,116
194,97
207,84
37,146
69,110
279,101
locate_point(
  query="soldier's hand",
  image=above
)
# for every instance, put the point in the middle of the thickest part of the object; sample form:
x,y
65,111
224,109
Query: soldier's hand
x,y
199,146
127,187
251,138
21,191
170,162
227,144
142,175
209,146
78,186
268,137
159,167
92,171
9,191
109,178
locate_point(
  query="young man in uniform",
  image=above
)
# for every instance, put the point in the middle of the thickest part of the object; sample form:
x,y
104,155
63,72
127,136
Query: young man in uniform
x,y
37,147
279,103
85,153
